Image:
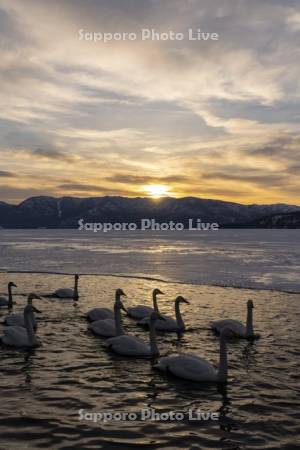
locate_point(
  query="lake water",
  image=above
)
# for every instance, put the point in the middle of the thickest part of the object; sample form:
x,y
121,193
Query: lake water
x,y
263,259
43,390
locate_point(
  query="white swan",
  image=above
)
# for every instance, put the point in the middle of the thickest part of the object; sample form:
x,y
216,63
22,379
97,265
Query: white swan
x,y
67,292
20,336
8,301
132,346
103,313
194,368
167,323
18,319
110,327
238,329
141,311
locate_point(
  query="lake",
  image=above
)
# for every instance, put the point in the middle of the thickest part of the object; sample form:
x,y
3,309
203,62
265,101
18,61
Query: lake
x,y
44,390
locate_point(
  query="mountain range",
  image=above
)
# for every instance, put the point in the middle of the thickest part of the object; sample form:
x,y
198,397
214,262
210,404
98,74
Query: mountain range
x,y
64,212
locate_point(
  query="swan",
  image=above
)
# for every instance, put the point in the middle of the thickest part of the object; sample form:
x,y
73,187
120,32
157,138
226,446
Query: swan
x,y
238,329
103,313
141,311
68,292
8,301
19,336
132,346
18,319
194,368
110,327
168,323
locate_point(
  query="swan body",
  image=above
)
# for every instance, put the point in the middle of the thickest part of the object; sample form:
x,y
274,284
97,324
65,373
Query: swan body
x,y
99,314
8,301
68,292
238,329
104,313
188,367
64,293
19,320
110,327
16,336
3,301
104,327
195,368
126,345
140,311
167,323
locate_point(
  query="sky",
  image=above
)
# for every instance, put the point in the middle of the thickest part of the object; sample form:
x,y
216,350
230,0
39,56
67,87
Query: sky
x,y
207,118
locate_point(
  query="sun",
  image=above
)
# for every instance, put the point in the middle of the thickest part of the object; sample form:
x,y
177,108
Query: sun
x,y
157,190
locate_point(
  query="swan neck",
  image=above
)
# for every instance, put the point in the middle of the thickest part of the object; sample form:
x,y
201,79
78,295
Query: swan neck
x,y
153,341
10,298
118,321
155,303
249,325
76,288
223,365
178,316
28,319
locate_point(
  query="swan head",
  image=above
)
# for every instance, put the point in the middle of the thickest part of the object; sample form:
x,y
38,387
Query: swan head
x,y
31,297
76,276
181,299
11,284
250,304
119,293
157,292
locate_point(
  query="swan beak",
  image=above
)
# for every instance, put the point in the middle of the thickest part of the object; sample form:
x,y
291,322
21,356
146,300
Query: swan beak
x,y
160,292
13,284
36,310
186,301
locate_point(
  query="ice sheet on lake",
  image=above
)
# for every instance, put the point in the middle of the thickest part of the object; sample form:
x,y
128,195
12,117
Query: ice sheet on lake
x,y
264,259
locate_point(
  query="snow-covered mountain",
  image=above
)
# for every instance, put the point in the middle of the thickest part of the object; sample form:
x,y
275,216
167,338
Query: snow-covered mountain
x,y
65,212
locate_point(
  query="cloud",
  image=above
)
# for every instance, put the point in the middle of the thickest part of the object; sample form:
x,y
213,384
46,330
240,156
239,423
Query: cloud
x,y
79,187
257,177
6,174
15,194
52,154
145,179
139,112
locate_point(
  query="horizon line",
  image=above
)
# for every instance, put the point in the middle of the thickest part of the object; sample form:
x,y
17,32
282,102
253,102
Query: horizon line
x,y
154,199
